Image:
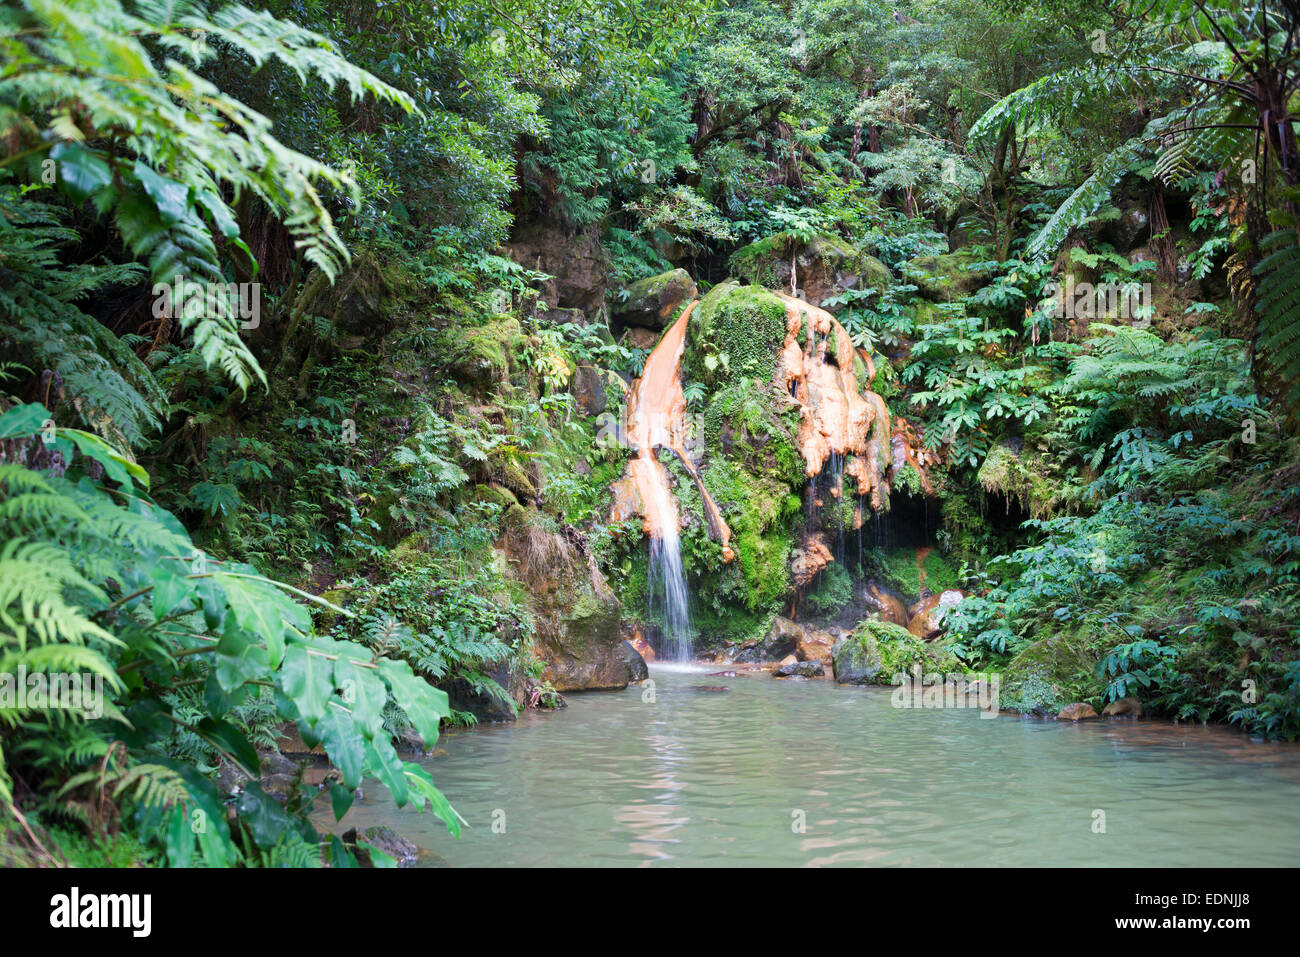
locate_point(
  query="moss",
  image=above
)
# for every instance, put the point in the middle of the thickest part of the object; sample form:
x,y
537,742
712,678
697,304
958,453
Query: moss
x,y
899,570
481,355
1052,672
834,590
949,277
1019,478
737,331
888,650
758,262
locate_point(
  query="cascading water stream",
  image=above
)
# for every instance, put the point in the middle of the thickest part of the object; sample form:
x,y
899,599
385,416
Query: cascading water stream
x,y
657,419
667,584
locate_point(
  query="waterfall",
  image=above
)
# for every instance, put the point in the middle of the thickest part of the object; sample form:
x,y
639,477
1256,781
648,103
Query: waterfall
x,y
656,418
667,582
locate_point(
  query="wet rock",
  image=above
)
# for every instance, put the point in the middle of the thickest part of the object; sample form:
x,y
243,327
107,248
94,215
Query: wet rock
x,y
800,669
886,604
707,689
1078,711
855,663
927,621
807,560
636,667
1129,706
781,641
814,645
386,841
653,303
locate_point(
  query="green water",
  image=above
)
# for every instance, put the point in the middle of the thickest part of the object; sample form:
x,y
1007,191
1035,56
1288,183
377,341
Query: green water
x,y
724,778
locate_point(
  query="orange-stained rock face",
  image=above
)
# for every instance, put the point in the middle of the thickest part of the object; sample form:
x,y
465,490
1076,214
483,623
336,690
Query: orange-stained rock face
x,y
834,417
808,559
906,447
656,416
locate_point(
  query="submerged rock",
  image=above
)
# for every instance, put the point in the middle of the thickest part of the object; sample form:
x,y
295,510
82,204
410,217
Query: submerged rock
x,y
1129,706
1077,711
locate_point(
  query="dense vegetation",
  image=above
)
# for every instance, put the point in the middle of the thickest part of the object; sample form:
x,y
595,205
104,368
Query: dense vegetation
x,y
330,492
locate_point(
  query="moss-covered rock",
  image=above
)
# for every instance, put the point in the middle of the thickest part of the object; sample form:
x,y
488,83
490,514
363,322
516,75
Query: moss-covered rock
x,y
948,277
577,619
653,302
1020,477
1050,673
480,356
736,331
824,266
879,650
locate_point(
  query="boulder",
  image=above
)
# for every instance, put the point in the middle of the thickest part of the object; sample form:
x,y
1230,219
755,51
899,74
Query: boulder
x,y
800,669
855,663
814,645
886,604
1129,706
926,622
1051,673
639,337
878,650
1078,711
655,302
577,618
483,704
637,670
781,641
383,839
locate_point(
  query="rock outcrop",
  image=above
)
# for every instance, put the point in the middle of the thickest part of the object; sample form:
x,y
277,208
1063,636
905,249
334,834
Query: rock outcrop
x,y
824,267
577,618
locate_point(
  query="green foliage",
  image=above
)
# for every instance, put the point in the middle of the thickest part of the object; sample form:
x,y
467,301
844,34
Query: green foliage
x,y
103,583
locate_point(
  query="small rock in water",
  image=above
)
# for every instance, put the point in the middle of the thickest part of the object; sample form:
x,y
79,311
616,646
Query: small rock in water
x,y
724,674
1077,711
1124,706
800,669
707,688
